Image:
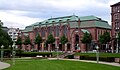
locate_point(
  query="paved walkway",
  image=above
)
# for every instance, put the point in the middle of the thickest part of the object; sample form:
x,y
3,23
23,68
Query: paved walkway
x,y
108,63
4,65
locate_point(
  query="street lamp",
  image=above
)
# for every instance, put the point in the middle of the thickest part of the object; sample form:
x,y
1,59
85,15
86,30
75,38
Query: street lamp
x,y
57,52
13,53
2,52
97,54
117,48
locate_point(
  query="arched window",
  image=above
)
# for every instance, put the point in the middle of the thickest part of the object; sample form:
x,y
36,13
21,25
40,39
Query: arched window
x,y
65,30
43,32
50,30
57,30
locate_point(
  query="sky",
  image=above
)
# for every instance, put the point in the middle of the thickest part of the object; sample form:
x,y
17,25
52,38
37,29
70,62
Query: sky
x,y
22,13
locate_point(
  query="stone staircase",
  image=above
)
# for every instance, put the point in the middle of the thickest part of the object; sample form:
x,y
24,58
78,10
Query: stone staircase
x,y
66,54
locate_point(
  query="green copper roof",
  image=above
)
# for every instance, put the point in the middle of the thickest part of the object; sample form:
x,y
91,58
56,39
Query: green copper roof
x,y
28,29
84,31
95,23
86,21
84,18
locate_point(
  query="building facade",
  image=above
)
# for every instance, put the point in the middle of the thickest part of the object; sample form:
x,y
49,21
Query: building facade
x,y
73,27
13,33
115,16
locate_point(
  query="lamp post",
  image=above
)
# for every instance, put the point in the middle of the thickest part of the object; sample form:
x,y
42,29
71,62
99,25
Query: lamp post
x,y
2,52
13,53
57,53
97,54
117,48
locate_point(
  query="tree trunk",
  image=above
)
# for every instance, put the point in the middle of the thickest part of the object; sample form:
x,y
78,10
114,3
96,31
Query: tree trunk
x,y
86,47
62,47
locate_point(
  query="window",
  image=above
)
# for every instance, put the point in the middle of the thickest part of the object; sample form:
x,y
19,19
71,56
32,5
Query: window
x,y
10,32
57,31
43,32
65,30
50,30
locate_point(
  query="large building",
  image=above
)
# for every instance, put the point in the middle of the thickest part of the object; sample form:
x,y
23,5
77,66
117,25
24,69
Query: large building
x,y
115,16
73,27
13,33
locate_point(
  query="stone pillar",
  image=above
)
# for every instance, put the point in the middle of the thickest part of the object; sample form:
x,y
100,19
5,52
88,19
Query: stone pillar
x,y
36,47
23,47
83,47
65,47
42,47
29,47
49,45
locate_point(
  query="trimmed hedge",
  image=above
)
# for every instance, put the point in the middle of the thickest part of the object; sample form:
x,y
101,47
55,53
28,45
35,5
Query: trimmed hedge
x,y
107,59
34,54
70,57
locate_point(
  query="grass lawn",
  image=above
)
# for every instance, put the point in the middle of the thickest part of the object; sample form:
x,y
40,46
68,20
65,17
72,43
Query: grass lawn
x,y
44,64
100,54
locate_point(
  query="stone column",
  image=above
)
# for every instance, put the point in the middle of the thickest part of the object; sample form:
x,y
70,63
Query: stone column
x,y
29,47
42,46
36,47
23,47
49,45
65,47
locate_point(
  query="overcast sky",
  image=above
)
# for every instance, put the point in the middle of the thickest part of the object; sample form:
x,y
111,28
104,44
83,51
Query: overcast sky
x,y
21,13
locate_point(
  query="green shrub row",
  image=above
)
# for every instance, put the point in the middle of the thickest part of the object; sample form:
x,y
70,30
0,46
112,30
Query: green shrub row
x,y
34,54
106,59
70,57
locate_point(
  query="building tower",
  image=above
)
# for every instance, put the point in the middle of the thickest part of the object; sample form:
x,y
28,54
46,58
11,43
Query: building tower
x,y
115,17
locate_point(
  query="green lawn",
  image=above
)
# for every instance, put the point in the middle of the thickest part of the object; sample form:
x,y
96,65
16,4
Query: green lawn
x,y
100,54
45,64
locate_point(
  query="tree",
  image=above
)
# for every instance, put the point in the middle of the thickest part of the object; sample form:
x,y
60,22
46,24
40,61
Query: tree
x,y
4,37
19,42
86,39
27,41
63,40
119,37
38,40
50,40
104,39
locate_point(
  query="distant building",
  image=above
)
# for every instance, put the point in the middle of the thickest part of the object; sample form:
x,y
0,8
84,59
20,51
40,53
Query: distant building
x,y
5,29
73,27
13,32
115,16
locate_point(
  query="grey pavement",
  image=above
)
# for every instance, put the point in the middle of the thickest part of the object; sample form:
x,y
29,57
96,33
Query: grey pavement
x,y
4,65
107,63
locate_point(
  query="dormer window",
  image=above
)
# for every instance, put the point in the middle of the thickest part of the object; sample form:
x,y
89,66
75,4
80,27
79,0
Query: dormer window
x,y
60,20
53,21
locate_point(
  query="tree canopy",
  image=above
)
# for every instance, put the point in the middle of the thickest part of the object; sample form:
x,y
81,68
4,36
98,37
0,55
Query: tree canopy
x,y
63,39
5,39
27,41
38,39
103,39
50,39
86,38
119,36
19,41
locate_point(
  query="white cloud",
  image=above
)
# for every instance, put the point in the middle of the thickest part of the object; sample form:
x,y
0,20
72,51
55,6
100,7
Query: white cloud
x,y
16,20
21,13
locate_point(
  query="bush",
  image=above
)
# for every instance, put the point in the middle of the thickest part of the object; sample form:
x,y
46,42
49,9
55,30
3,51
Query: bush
x,y
70,56
107,59
34,54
